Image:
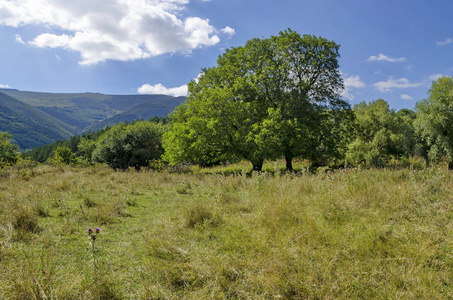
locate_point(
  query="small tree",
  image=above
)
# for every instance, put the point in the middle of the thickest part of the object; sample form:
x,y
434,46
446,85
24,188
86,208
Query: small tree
x,y
9,152
63,156
129,145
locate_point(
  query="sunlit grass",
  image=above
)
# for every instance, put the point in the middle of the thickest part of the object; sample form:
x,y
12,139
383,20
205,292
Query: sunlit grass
x,y
336,234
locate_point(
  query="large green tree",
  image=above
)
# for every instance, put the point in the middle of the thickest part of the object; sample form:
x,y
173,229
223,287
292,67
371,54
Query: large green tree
x,y
272,97
434,121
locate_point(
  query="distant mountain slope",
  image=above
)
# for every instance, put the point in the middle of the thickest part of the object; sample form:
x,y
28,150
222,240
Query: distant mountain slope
x,y
77,109
143,111
75,113
29,126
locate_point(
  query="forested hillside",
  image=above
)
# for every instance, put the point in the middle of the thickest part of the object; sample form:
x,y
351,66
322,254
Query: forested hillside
x,y
29,126
36,119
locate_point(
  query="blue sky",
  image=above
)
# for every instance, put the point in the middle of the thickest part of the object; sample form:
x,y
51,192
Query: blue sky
x,y
389,49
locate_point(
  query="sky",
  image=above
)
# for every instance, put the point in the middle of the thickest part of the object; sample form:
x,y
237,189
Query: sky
x,y
390,49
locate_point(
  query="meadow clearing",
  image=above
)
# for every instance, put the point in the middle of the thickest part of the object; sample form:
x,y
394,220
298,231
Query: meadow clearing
x,y
341,234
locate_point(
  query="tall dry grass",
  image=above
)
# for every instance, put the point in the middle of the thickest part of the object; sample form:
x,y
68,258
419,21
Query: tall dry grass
x,y
334,235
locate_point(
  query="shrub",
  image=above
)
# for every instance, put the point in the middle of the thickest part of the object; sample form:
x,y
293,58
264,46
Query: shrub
x,y
63,156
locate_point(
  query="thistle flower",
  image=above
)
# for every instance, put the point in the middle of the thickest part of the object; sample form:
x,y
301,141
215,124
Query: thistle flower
x,y
90,231
98,230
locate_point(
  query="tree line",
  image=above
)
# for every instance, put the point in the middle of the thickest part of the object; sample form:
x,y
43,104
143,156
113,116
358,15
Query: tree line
x,y
272,98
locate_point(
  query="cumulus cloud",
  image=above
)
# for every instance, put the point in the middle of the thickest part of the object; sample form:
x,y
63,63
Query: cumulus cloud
x,y
350,83
383,57
159,89
228,31
392,83
406,97
112,30
4,86
51,40
445,42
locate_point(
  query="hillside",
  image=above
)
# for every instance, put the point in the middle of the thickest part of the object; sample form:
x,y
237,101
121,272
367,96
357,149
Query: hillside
x,y
142,111
60,115
29,126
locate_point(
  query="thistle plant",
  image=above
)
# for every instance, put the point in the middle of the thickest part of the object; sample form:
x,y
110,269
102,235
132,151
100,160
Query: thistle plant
x,y
93,235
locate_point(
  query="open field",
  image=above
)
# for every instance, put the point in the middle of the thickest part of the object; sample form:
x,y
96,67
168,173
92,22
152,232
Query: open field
x,y
339,235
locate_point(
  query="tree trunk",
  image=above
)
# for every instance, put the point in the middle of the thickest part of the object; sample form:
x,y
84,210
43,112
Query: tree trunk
x,y
289,163
258,165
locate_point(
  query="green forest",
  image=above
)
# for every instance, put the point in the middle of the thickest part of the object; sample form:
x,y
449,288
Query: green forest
x,y
273,98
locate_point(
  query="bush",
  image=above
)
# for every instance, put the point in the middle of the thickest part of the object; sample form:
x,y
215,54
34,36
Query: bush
x,y
8,151
63,156
130,145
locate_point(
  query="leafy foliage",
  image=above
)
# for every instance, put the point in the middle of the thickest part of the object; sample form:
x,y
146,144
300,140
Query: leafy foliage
x,y
63,155
434,121
8,151
44,153
380,133
270,98
129,145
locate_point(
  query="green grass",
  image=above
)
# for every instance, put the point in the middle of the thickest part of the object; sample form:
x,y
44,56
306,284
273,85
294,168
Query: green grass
x,y
339,235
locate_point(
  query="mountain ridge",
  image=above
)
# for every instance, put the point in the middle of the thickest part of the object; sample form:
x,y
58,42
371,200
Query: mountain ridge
x,y
48,117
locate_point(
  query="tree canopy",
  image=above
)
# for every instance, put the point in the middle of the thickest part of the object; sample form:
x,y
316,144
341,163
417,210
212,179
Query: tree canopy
x,y
379,134
434,121
8,151
272,97
127,145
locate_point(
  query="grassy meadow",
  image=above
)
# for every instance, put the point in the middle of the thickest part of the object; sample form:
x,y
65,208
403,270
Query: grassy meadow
x,y
343,234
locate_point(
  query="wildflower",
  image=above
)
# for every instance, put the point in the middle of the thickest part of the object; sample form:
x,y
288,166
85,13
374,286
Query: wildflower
x,y
90,231
98,230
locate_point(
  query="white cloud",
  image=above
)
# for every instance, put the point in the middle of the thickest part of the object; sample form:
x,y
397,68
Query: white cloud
x,y
228,31
19,39
112,30
406,97
4,86
446,42
51,40
382,57
351,82
159,89
436,76
392,83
